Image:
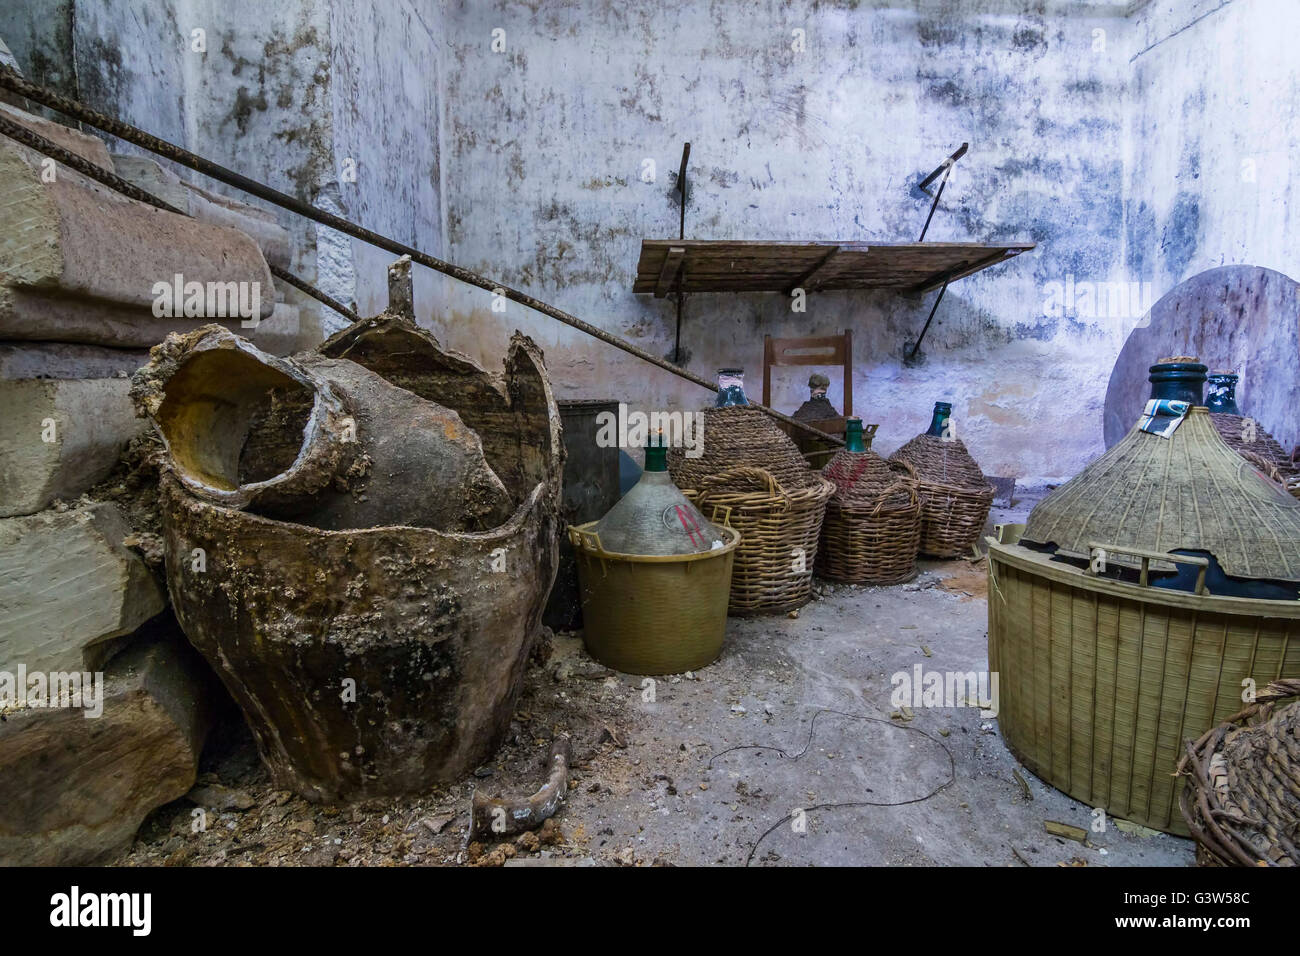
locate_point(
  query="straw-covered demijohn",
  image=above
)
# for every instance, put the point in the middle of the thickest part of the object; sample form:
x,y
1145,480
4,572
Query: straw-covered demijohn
x,y
1173,485
873,521
955,495
753,471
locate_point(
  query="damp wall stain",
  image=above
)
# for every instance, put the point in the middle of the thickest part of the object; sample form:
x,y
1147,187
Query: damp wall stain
x,y
827,144
1133,148
292,93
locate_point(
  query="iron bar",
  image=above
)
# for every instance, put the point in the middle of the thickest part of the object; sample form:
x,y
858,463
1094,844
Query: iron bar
x,y
15,83
946,169
33,140
933,309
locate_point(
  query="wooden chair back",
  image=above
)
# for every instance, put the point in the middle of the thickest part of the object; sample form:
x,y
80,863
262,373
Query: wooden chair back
x,y
823,350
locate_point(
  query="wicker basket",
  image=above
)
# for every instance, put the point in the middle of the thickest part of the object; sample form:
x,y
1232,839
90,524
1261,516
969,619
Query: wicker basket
x,y
1101,681
873,526
955,495
1289,480
1263,465
1241,799
1233,430
779,529
742,435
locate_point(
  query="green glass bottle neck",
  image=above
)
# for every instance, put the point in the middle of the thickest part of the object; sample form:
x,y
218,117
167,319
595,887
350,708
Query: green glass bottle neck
x,y
938,423
853,436
656,458
1178,381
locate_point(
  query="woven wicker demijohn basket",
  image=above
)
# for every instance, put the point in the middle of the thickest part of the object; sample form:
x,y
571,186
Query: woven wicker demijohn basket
x,y
873,521
1241,796
752,470
654,575
1243,434
1124,617
955,495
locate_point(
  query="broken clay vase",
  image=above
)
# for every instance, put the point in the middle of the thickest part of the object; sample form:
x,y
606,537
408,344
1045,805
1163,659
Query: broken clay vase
x,y
375,647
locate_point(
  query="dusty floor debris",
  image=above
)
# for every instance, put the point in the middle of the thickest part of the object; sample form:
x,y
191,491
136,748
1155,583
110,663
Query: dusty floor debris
x,y
641,790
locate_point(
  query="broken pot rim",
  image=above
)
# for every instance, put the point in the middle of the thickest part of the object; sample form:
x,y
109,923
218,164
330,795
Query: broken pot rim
x,y
531,502
325,404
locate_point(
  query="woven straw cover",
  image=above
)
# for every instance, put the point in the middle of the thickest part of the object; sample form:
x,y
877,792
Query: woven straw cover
x,y
1189,491
955,495
816,410
863,476
1241,799
941,462
1234,432
779,530
752,468
736,436
872,527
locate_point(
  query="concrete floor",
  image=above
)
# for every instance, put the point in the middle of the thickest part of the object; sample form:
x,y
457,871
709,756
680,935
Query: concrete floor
x,y
655,781
674,804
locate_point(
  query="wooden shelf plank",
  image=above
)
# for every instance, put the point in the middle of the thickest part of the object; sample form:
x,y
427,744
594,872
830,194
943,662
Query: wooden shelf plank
x,y
807,280
723,265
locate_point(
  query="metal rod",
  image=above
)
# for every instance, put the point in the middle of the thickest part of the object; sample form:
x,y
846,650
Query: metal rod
x,y
681,185
945,165
677,341
934,308
935,205
303,286
946,169
681,274
85,167
15,83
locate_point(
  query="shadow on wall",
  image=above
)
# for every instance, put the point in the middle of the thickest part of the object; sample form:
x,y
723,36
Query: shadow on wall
x,y
1242,318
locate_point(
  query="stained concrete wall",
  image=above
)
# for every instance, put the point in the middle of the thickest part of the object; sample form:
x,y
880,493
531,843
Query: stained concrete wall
x,y
1114,134
1216,129
547,140
296,93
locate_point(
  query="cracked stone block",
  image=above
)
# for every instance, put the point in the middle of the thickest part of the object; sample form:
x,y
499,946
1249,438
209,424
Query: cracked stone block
x,y
69,587
74,789
59,437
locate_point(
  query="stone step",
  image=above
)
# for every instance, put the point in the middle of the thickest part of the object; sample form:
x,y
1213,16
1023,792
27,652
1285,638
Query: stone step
x,y
74,141
67,360
79,263
260,225
74,788
69,588
59,437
